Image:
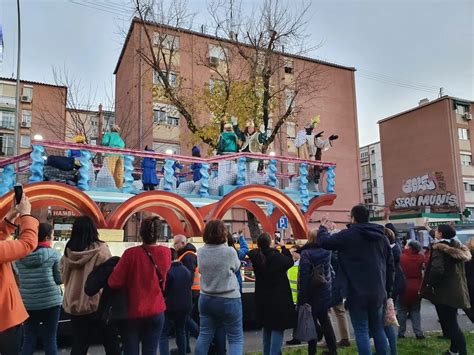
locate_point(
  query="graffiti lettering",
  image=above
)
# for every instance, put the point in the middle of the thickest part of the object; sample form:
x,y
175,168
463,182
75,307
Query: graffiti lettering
x,y
420,183
427,200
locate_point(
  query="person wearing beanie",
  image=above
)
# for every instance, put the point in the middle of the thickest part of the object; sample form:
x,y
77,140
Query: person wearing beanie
x,y
445,284
149,178
114,163
196,167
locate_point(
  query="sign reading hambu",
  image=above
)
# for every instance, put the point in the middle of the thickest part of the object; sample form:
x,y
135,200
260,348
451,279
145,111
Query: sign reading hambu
x,y
426,190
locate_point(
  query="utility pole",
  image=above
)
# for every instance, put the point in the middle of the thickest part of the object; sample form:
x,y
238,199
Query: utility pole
x,y
100,125
17,102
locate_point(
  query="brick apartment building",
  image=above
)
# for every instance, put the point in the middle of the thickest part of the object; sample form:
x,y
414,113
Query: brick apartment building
x,y
38,101
372,176
427,157
136,103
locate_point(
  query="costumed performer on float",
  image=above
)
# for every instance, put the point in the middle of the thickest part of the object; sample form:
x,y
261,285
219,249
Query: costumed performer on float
x,y
114,162
310,146
149,178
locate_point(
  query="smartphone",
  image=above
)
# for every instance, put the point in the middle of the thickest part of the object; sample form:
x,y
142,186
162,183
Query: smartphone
x,y
18,188
277,237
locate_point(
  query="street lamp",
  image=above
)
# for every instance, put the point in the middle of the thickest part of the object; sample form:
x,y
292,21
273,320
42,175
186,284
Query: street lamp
x,y
17,102
38,137
169,151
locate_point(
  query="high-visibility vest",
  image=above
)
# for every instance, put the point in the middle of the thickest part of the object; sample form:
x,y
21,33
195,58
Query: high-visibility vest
x,y
293,278
197,276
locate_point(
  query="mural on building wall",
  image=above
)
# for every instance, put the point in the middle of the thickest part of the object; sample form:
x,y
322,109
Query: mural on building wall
x,y
428,190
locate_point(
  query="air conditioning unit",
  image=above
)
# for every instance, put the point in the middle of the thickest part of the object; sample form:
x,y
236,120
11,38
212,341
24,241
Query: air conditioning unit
x,y
467,116
25,99
25,124
213,61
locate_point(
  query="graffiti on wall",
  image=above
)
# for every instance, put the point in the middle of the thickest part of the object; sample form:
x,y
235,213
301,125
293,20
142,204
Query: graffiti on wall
x,y
428,190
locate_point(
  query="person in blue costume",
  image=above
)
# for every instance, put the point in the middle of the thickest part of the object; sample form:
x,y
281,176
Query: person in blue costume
x,y
196,167
149,178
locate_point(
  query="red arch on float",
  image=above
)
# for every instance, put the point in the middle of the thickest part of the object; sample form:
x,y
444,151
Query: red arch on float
x,y
171,218
45,194
249,206
266,193
150,199
318,202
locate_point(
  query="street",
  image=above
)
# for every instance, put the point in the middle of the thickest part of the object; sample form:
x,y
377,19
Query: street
x,y
253,338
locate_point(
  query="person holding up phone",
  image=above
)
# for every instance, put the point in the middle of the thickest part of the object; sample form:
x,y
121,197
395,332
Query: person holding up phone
x,y
12,310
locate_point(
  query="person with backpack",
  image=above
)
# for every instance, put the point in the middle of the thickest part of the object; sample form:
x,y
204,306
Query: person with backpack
x,y
445,284
273,299
83,253
315,289
179,303
141,273
39,288
113,308
12,310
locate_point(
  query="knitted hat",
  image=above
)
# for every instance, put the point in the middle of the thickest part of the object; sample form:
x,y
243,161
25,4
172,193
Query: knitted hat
x,y
196,152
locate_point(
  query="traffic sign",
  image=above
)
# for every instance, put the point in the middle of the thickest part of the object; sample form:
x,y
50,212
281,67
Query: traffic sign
x,y
282,223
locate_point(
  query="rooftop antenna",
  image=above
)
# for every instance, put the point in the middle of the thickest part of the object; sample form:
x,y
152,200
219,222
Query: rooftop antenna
x,y
441,92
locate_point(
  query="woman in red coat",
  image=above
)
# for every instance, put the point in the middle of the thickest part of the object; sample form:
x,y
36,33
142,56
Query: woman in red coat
x,y
412,263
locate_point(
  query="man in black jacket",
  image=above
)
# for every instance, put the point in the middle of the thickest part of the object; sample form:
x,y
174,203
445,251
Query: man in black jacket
x,y
365,275
187,255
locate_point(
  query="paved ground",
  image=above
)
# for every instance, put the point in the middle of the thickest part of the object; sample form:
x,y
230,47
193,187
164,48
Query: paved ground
x,y
253,339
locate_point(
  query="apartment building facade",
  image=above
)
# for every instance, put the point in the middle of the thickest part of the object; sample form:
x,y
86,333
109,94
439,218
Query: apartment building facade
x,y
372,176
156,123
86,122
38,102
427,157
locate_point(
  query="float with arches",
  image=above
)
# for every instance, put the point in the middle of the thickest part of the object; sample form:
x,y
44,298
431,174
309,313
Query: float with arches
x,y
225,183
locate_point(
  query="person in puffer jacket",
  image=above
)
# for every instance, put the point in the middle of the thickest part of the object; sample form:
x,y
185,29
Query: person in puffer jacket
x,y
41,294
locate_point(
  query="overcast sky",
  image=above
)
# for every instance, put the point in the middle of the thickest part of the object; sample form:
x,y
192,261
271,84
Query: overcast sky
x,y
404,50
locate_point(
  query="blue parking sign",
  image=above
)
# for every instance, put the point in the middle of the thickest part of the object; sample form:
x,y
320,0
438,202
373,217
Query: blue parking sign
x,y
282,223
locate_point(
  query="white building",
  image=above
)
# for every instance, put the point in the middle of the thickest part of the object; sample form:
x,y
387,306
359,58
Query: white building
x,y
372,176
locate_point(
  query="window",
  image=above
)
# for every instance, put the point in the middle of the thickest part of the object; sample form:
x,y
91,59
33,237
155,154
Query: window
x,y
217,53
28,93
463,133
6,144
465,160
288,66
466,186
7,119
166,114
373,169
172,79
289,96
160,115
25,141
166,41
25,118
375,182
372,151
364,155
471,188
291,129
462,109
365,172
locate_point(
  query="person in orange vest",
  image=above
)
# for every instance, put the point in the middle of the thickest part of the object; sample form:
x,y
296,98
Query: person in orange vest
x,y
12,310
188,256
